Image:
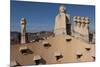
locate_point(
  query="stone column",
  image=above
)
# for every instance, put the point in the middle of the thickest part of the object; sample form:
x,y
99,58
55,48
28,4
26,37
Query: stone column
x,y
23,30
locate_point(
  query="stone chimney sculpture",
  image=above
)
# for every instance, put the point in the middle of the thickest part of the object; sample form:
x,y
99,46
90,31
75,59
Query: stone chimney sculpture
x,y
81,26
61,21
23,30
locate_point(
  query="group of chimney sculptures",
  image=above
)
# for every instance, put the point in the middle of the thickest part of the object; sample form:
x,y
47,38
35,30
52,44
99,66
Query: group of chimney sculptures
x,y
63,25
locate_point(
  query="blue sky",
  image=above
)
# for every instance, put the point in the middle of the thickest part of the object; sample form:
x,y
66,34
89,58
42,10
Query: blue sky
x,y
41,16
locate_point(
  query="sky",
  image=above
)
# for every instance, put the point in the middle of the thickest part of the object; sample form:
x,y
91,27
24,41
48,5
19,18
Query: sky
x,y
41,16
